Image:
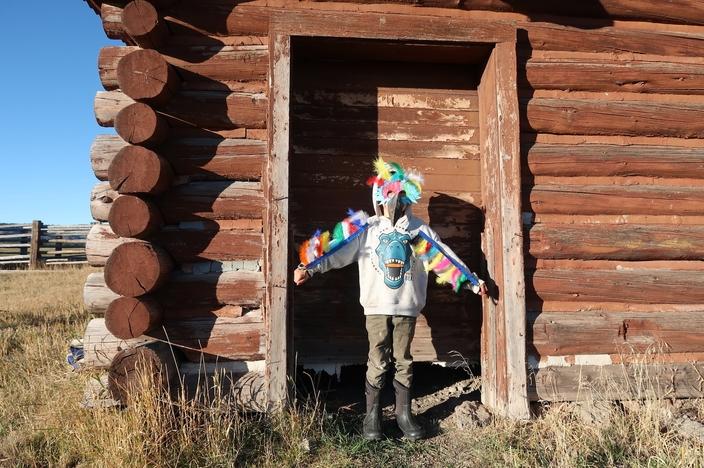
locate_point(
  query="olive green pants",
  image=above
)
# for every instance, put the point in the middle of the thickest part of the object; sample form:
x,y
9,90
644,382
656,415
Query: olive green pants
x,y
390,335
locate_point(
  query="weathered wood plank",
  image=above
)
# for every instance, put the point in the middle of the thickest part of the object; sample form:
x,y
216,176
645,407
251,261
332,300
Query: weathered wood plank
x,y
636,286
601,72
604,200
617,382
212,200
616,117
606,332
563,160
616,242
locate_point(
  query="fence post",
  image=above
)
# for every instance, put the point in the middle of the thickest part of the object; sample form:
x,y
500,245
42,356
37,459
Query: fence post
x,y
34,254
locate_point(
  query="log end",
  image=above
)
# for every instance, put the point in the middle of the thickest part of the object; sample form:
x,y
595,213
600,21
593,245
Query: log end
x,y
142,369
144,75
136,169
132,216
137,268
139,124
142,23
131,317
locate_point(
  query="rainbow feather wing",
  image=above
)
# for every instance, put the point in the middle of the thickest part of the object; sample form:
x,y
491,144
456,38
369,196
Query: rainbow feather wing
x,y
434,259
323,243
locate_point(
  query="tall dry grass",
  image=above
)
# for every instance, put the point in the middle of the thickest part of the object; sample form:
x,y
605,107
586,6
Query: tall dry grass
x,y
41,423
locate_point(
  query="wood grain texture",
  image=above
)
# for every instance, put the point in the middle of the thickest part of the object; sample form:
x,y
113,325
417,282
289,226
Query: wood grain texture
x,y
132,317
135,169
609,332
100,346
134,216
604,200
616,242
140,124
634,286
184,244
212,201
96,295
617,382
191,158
602,72
592,159
149,367
137,268
141,21
145,76
634,118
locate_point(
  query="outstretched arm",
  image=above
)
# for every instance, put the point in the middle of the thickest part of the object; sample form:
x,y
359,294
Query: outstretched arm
x,y
340,258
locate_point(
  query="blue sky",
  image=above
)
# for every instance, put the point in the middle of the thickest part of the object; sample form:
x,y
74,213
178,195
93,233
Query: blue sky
x,y
48,79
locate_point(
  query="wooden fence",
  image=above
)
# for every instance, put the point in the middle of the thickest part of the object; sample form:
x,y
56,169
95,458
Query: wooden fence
x,y
37,244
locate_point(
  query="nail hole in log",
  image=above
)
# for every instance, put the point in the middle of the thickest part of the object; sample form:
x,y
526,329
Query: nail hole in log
x,y
132,216
139,124
137,268
145,76
136,169
131,317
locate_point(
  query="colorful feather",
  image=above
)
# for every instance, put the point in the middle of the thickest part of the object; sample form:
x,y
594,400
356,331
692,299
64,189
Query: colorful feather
x,y
391,179
325,243
435,259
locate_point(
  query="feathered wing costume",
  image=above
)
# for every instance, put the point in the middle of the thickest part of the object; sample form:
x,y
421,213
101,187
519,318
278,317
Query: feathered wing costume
x,y
390,186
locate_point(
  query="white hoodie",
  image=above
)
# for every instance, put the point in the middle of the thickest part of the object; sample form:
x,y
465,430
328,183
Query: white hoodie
x,y
392,281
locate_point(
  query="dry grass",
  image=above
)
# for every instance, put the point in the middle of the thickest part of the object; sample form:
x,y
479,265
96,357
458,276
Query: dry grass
x,y
42,425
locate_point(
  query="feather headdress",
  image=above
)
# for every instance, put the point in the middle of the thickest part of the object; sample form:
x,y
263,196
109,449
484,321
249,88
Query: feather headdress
x,y
392,179
434,258
324,243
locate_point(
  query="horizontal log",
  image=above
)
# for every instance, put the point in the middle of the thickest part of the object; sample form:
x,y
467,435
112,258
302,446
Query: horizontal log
x,y
616,242
387,149
213,110
184,245
599,117
190,295
137,268
96,295
111,17
607,332
206,64
140,124
616,382
100,346
393,103
135,169
601,72
145,76
212,200
555,37
604,200
612,160
101,199
141,21
206,158
131,317
133,216
151,367
636,286
214,339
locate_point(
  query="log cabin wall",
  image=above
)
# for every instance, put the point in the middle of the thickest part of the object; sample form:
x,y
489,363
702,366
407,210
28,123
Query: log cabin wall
x,y
611,105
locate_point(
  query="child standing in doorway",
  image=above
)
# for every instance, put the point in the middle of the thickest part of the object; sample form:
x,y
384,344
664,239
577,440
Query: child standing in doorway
x,y
395,251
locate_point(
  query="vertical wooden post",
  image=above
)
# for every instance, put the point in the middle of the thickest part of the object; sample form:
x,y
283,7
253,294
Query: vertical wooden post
x,y
276,271
504,371
35,242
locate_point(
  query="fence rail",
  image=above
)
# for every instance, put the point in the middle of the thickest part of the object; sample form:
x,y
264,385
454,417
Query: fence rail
x,y
40,244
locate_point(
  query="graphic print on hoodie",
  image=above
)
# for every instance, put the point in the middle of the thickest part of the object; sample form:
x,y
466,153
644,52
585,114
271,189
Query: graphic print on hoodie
x,y
394,257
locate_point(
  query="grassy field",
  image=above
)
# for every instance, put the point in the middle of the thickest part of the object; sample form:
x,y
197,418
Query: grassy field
x,y
41,423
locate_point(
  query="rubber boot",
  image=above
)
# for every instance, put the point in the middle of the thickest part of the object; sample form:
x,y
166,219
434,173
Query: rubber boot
x,y
404,416
371,429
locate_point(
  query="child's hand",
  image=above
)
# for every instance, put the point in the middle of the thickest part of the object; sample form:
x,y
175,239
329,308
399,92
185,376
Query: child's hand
x,y
300,276
482,289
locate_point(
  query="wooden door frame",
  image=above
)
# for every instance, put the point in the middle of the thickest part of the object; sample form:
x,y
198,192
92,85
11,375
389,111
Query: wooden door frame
x,y
499,135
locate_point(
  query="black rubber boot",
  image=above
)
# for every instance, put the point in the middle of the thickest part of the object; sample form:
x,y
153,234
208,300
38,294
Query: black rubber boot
x,y
404,416
371,429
